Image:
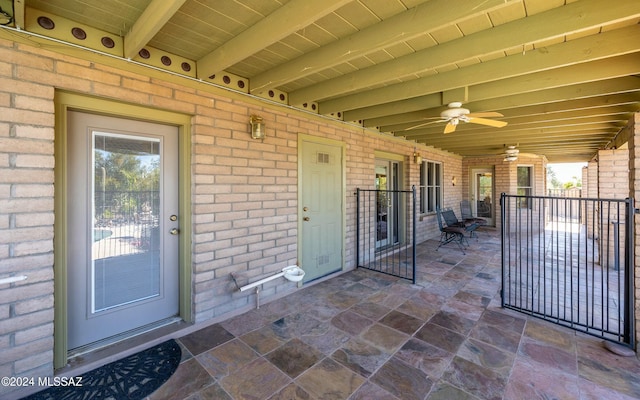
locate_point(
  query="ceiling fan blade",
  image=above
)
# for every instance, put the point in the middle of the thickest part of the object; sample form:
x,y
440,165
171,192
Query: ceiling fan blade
x,y
425,123
489,114
449,128
488,122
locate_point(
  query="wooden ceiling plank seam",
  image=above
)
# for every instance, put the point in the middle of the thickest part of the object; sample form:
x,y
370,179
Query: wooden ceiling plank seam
x,y
154,17
585,50
400,27
283,22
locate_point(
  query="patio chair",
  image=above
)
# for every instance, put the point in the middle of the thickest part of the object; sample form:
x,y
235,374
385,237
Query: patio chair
x,y
451,220
450,234
465,210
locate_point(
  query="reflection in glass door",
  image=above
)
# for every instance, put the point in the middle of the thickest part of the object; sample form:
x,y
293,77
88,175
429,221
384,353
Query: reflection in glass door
x,y
126,206
483,194
386,203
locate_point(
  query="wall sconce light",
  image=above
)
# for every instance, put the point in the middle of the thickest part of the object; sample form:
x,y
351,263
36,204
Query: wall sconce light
x,y
454,180
257,127
417,158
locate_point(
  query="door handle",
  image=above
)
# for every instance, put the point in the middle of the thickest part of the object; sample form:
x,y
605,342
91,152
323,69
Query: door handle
x,y
174,231
306,219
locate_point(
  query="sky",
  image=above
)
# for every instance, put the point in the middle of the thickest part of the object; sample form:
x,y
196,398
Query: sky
x,y
566,171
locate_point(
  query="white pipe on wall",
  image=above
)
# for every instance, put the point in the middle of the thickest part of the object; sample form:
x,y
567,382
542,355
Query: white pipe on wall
x,y
12,279
261,281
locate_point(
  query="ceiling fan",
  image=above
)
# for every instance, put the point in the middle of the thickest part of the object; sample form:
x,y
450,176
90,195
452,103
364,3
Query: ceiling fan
x,y
511,153
456,114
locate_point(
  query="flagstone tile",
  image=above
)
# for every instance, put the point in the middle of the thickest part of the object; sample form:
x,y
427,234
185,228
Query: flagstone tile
x,y
444,391
226,358
440,337
257,380
544,332
291,392
371,391
294,357
403,380
244,323
213,392
497,336
328,340
453,321
532,380
475,379
430,359
370,310
487,356
330,380
351,322
295,325
361,357
206,339
189,378
384,337
263,340
402,322
549,355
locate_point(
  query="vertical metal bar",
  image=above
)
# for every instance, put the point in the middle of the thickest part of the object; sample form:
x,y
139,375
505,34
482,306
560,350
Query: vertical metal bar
x,y
503,242
357,227
629,266
413,235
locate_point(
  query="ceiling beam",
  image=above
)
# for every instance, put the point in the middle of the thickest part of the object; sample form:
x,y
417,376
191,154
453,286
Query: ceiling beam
x,y
18,14
284,21
579,74
559,21
539,114
405,26
469,133
154,17
587,49
592,94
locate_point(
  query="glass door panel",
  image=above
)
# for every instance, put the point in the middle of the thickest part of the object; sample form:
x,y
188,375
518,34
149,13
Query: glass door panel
x,y
125,254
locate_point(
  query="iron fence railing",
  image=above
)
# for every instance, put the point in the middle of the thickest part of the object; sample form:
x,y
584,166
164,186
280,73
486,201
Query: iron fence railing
x,y
569,260
385,231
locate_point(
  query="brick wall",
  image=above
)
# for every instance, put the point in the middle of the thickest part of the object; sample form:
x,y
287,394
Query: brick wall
x,y
244,192
613,183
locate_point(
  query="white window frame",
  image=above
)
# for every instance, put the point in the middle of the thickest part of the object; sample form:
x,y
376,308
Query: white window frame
x,y
431,191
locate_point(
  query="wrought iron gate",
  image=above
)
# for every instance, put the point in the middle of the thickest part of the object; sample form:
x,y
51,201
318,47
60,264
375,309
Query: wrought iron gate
x,y
385,231
570,261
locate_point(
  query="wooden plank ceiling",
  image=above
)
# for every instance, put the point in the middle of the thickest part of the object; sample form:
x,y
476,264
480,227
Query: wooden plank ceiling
x,y
564,74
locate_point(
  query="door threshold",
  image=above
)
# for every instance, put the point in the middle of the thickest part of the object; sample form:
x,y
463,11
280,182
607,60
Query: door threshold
x,y
93,355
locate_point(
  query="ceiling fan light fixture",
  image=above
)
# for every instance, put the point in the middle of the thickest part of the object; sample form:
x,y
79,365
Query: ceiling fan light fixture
x,y
509,158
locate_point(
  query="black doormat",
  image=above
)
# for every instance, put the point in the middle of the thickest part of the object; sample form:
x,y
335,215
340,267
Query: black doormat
x,y
133,377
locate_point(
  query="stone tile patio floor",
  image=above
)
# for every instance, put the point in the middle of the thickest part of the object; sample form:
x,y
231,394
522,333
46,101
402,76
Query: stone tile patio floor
x,y
365,335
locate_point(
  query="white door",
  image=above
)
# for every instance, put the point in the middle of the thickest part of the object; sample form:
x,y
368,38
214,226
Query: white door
x,y
122,222
482,201
321,209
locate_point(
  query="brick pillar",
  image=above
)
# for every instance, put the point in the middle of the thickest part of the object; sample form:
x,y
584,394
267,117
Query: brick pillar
x,y
613,183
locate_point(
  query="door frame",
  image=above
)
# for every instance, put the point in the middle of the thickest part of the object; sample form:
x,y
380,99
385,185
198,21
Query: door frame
x,y
65,101
400,209
343,190
474,191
